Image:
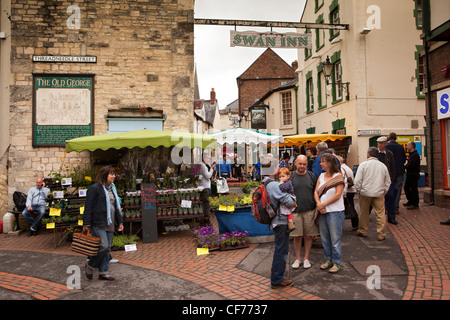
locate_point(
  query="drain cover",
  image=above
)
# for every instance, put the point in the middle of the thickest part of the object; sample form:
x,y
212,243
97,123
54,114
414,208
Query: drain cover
x,y
387,267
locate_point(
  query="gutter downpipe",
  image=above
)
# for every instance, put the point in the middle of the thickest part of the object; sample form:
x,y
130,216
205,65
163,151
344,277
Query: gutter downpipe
x,y
426,14
296,109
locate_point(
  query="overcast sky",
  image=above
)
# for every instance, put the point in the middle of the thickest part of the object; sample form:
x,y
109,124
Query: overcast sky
x,y
218,64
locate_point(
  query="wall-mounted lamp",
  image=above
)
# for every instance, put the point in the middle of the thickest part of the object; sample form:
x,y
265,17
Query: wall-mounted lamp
x,y
327,68
237,119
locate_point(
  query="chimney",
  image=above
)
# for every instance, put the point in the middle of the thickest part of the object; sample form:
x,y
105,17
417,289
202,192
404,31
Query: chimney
x,y
295,65
213,97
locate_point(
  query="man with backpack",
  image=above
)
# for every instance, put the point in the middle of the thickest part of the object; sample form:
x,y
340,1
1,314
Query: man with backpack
x,y
279,224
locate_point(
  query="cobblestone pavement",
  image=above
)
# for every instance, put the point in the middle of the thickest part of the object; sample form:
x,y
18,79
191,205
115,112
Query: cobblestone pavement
x,y
32,268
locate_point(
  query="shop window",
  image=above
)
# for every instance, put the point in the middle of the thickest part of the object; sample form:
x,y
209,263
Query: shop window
x,y
286,108
446,154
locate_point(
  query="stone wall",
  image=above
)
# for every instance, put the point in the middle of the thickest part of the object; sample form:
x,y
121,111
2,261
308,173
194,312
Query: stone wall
x,y
145,57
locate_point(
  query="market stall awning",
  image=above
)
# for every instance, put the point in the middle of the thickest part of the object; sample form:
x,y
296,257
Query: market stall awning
x,y
246,136
311,138
141,139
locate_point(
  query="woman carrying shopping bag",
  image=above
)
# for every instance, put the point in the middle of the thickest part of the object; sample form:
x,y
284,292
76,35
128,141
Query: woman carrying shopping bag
x,y
102,214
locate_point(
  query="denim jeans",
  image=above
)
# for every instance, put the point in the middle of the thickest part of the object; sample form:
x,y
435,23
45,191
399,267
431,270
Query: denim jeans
x,y
398,187
330,226
101,260
34,223
389,201
280,254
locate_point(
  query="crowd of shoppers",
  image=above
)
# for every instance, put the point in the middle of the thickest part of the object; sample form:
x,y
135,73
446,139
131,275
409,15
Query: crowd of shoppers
x,y
325,188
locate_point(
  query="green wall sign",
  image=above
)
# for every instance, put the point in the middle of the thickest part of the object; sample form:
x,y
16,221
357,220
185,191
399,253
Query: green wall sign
x,y
63,108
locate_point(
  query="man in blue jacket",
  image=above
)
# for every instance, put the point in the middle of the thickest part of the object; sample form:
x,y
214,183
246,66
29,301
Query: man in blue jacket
x,y
279,225
35,202
399,162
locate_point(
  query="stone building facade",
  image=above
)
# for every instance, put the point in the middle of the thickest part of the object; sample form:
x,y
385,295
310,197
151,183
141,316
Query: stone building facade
x,y
144,54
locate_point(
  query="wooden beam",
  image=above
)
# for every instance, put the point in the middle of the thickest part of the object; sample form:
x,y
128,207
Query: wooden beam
x,y
270,24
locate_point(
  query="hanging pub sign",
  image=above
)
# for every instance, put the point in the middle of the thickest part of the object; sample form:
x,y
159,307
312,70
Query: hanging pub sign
x,y
258,116
270,40
63,108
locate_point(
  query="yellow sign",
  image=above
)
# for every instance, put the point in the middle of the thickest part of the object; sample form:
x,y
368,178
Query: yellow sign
x,y
87,178
82,210
80,222
55,212
222,208
201,251
230,208
50,225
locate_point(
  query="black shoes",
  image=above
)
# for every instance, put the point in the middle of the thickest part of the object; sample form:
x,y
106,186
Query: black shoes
x,y
393,221
446,223
412,207
32,233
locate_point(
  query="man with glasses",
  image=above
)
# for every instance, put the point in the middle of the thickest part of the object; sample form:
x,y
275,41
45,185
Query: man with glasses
x,y
35,202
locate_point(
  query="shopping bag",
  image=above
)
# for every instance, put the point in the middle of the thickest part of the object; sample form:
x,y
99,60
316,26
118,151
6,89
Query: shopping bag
x,y
222,185
85,244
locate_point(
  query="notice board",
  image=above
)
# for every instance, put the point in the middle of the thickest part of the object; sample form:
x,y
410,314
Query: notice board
x,y
63,108
148,208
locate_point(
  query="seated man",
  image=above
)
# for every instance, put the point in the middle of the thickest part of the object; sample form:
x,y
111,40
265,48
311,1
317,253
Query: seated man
x,y
35,202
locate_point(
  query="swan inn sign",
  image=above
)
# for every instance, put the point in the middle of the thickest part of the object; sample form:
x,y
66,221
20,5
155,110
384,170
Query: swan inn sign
x,y
270,40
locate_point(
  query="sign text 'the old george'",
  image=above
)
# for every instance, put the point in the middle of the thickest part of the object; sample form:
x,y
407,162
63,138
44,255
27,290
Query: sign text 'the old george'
x,y
269,40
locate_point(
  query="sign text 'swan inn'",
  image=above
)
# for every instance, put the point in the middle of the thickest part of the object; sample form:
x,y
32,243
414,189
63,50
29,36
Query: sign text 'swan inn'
x,y
269,40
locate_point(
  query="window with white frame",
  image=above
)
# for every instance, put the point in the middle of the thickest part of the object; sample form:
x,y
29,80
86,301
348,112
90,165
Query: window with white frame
x,y
286,108
338,80
309,95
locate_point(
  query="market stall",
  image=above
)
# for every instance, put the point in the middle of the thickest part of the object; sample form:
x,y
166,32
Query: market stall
x,y
340,143
233,212
156,174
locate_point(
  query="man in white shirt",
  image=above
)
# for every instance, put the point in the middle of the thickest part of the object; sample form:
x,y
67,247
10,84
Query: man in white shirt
x,y
372,182
206,172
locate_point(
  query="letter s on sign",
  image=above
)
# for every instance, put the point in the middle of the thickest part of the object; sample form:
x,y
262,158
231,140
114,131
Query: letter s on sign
x,y
444,104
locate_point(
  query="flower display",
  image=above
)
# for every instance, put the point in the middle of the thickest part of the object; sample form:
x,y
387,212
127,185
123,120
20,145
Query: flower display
x,y
206,237
234,199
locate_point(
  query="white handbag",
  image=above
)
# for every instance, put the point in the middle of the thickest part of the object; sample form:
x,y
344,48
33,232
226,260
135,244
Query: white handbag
x,y
222,185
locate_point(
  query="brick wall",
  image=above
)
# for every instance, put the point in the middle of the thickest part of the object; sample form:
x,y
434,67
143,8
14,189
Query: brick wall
x,y
145,57
266,73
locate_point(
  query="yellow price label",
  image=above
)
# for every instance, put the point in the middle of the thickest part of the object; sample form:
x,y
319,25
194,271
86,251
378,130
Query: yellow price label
x,y
55,212
222,208
201,251
50,225
87,178
230,208
80,222
82,210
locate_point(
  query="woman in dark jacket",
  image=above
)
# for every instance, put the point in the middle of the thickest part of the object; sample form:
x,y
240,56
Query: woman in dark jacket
x,y
101,214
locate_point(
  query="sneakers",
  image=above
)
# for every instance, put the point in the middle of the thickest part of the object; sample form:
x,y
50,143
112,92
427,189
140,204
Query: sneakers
x,y
306,264
297,264
285,283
